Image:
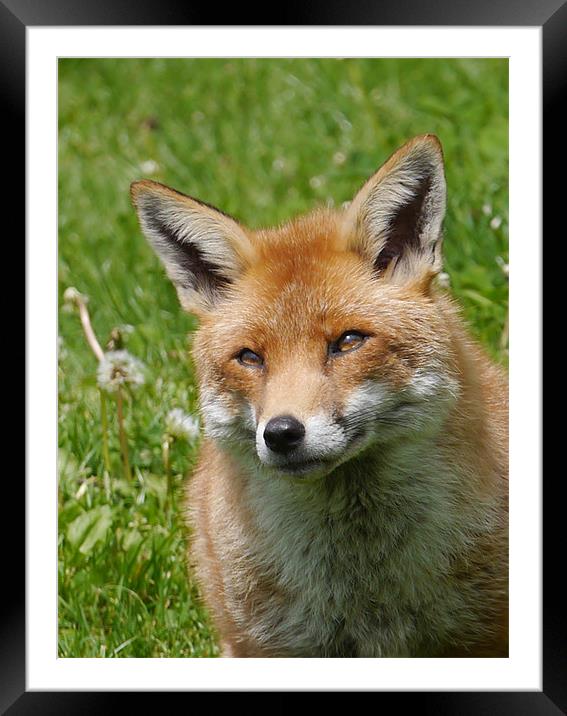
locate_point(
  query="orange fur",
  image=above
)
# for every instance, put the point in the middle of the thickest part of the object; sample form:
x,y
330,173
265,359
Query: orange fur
x,y
401,549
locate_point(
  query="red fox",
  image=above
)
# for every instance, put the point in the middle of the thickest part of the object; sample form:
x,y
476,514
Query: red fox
x,y
351,498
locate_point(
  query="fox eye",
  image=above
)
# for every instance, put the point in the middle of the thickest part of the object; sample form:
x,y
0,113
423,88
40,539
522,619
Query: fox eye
x,y
249,358
349,341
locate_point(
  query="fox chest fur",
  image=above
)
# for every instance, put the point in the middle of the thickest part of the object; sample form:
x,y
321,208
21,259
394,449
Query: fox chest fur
x,y
373,565
351,495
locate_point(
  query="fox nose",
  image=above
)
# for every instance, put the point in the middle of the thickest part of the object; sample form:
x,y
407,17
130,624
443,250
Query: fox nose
x,y
283,434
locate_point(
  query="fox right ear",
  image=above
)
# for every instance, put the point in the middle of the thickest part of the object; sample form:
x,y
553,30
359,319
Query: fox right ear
x,y
395,220
202,249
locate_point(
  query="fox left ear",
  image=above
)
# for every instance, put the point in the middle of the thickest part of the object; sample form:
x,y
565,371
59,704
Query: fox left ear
x,y
203,250
395,220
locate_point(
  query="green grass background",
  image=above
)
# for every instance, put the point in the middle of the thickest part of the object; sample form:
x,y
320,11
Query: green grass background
x,y
262,140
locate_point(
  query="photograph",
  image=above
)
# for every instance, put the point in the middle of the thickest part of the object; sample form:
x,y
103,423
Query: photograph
x,y
283,357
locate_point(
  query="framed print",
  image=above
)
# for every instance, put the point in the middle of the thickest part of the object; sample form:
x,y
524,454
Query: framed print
x,y
280,118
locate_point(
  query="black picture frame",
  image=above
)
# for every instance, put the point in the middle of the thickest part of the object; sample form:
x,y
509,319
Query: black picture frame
x,y
15,16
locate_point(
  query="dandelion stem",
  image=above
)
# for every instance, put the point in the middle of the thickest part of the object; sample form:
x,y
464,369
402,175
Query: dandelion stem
x,y
165,451
104,424
87,327
122,435
165,454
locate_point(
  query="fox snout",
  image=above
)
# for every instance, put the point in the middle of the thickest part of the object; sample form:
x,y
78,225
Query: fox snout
x,y
283,434
298,446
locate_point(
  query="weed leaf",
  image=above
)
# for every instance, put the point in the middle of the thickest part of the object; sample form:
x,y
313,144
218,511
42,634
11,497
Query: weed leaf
x,y
89,528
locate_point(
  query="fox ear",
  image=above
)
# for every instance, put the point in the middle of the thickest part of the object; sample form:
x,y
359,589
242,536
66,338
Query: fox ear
x,y
395,219
202,249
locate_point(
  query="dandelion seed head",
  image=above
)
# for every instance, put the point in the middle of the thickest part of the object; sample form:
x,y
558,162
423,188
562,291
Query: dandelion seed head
x,y
496,222
149,167
181,425
71,296
125,328
487,209
146,456
339,158
316,182
444,280
119,368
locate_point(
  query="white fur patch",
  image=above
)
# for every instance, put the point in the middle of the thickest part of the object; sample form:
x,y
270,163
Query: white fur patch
x,y
218,416
370,395
323,436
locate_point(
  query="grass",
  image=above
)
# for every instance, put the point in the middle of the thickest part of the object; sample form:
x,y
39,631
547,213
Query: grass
x,y
263,140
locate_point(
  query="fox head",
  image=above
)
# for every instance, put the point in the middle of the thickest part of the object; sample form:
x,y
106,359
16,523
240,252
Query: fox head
x,y
323,336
